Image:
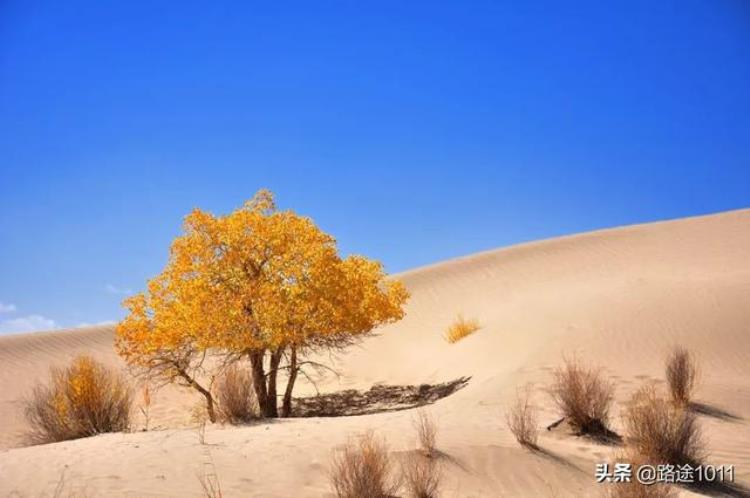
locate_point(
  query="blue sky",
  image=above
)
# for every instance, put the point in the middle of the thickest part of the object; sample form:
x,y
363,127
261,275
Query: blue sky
x,y
413,132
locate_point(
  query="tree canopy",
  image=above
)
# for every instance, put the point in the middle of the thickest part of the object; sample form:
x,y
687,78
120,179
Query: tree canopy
x,y
257,283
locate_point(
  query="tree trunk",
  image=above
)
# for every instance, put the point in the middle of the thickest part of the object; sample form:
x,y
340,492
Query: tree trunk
x,y
205,392
286,408
210,407
259,379
272,401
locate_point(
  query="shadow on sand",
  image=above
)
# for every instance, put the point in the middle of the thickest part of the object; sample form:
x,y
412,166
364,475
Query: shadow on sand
x,y
604,436
596,432
379,398
714,412
450,459
728,489
553,457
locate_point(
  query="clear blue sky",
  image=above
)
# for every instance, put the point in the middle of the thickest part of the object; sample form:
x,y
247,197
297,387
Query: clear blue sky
x,y
413,132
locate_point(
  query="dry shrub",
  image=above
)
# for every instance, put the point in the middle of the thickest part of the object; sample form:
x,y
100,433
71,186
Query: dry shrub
x,y
362,469
633,488
146,404
210,483
62,490
426,432
199,419
682,375
236,396
421,476
661,432
460,328
84,399
522,421
583,396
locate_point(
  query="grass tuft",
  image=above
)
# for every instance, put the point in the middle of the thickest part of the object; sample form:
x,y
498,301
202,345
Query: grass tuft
x,y
522,421
682,375
460,328
426,433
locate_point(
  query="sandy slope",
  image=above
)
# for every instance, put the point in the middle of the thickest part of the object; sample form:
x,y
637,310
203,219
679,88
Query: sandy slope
x,y
618,298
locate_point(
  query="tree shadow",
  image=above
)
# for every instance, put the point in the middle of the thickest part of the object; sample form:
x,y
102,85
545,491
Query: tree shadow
x,y
713,412
379,398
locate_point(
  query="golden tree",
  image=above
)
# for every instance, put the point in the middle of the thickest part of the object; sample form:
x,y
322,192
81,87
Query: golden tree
x,y
260,284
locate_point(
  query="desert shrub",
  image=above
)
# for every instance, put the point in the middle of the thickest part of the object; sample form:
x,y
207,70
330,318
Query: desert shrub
x,y
362,469
236,396
63,489
521,419
209,480
210,486
426,432
84,399
460,328
583,396
634,488
682,375
421,476
199,418
145,406
662,432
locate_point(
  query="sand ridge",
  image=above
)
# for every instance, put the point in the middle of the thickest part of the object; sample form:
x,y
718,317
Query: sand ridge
x,y
618,298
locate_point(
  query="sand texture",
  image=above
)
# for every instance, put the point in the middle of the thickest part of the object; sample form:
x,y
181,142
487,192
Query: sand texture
x,y
618,298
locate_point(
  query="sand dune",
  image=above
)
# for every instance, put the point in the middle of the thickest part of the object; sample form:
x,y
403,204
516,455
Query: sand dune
x,y
617,298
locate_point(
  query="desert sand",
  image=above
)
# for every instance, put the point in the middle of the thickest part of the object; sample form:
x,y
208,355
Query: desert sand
x,y
617,298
